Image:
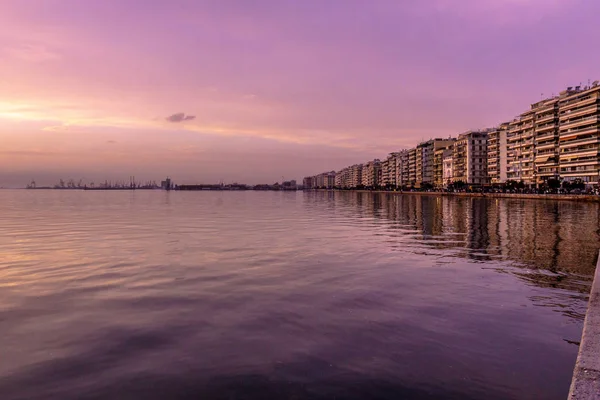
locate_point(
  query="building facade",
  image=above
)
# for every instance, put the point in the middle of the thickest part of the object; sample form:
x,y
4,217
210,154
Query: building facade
x,y
469,158
546,158
425,171
371,173
439,156
497,161
579,134
412,167
520,148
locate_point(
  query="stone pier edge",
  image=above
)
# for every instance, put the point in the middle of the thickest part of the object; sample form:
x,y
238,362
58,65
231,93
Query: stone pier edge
x,y
586,376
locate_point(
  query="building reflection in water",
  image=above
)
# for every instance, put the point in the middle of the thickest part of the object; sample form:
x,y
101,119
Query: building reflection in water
x,y
547,243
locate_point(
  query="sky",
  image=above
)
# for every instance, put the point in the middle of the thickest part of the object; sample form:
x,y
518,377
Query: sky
x,y
264,90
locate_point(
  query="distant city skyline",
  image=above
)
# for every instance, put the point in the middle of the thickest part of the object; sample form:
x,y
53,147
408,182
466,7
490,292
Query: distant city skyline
x,y
269,90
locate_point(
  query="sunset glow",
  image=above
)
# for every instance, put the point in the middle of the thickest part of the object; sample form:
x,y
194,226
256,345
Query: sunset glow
x,y
270,88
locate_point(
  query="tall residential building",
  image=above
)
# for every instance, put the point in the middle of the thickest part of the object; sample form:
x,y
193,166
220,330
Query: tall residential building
x,y
370,173
343,178
325,180
439,156
308,182
389,175
402,168
339,179
425,154
579,134
469,158
497,154
385,172
330,180
448,169
519,140
412,167
419,165
356,175
546,140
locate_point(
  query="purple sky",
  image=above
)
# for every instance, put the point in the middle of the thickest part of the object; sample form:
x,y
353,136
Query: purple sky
x,y
270,88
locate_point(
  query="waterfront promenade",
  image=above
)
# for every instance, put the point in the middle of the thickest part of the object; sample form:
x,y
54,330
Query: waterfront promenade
x,y
586,376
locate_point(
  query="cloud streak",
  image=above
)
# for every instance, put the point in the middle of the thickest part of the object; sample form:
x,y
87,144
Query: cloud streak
x,y
180,117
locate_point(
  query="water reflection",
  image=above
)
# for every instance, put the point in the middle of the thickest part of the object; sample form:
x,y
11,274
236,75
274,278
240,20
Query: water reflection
x,y
290,295
550,243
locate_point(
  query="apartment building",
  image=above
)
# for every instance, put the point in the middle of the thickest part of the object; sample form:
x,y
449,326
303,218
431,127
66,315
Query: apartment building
x,y
579,134
412,167
344,178
339,179
356,175
308,182
402,168
545,140
385,172
425,159
520,148
419,166
469,158
371,173
389,176
448,170
497,166
439,156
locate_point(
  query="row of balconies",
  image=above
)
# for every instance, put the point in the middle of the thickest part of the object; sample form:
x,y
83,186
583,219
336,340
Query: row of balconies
x,y
550,134
579,121
578,131
578,101
543,118
583,160
589,139
580,111
580,150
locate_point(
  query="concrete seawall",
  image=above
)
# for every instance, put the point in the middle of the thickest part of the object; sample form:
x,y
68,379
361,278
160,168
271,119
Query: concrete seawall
x,y
570,197
586,376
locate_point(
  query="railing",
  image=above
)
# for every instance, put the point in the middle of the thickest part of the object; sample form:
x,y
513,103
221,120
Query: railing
x,y
575,100
575,121
572,150
579,131
569,112
565,143
580,161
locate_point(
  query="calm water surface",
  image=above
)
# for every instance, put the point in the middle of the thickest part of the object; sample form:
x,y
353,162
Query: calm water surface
x,y
268,295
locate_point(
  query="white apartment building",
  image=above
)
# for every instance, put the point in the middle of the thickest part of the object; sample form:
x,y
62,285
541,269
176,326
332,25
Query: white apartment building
x,y
497,156
579,134
469,158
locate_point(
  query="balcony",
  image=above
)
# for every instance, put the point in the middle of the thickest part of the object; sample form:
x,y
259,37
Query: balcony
x,y
545,128
577,102
546,145
547,164
528,117
580,152
545,118
581,111
579,122
586,130
585,161
577,142
546,135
